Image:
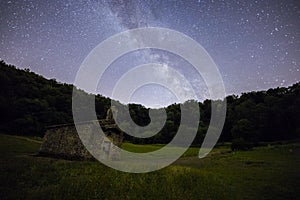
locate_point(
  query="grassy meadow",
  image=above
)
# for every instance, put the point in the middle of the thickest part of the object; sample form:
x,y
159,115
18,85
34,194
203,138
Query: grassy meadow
x,y
270,172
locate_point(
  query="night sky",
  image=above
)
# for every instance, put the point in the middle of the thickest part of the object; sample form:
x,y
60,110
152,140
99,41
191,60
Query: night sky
x,y
255,44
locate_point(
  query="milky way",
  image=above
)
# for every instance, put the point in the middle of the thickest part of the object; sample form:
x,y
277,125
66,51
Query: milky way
x,y
255,44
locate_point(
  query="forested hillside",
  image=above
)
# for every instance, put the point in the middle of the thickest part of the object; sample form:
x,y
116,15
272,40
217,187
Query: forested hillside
x,y
29,103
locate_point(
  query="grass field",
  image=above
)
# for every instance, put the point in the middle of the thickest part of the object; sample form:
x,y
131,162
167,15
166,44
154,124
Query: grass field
x,y
270,172
138,148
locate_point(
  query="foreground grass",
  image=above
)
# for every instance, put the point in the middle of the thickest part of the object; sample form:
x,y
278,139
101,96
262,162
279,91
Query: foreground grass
x,y
143,148
264,173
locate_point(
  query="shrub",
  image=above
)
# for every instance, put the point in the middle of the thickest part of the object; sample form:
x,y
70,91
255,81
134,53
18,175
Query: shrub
x,y
241,144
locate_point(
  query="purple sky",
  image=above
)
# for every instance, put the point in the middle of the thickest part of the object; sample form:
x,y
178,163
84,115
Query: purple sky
x,y
255,44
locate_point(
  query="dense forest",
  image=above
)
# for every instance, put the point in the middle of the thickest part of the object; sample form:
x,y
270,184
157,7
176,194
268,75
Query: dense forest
x,y
29,103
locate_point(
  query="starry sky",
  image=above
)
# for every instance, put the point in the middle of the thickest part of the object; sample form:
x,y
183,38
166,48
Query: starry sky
x,y
255,44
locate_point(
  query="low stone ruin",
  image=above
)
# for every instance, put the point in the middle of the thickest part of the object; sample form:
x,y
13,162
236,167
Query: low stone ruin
x,y
63,141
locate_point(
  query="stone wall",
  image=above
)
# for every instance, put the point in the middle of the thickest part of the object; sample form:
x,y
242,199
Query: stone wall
x,y
63,142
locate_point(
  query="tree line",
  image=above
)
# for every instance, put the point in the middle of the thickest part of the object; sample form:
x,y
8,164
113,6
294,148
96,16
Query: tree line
x,y
29,103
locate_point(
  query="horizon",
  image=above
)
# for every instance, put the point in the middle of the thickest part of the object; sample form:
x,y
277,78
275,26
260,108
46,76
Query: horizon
x,y
137,103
